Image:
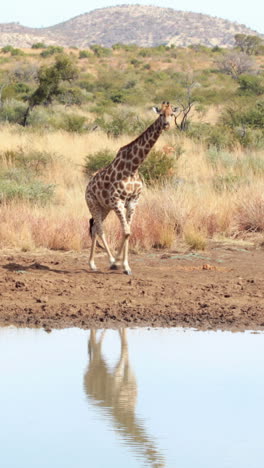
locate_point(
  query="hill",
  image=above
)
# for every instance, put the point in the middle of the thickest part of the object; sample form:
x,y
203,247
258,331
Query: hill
x,y
145,26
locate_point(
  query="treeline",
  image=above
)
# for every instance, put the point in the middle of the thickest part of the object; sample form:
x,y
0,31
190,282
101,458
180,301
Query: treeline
x,y
103,88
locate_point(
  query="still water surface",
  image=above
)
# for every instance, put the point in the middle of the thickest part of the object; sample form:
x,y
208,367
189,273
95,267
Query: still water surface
x,y
140,398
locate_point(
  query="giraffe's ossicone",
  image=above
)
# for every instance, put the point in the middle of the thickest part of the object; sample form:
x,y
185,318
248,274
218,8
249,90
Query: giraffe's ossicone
x,y
118,186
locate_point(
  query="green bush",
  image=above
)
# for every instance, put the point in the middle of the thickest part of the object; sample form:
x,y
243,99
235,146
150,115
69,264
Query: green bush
x,y
122,122
51,50
84,54
12,111
74,123
94,162
250,138
250,115
198,131
250,85
157,167
6,49
13,51
15,90
220,138
71,96
39,45
254,117
20,184
101,51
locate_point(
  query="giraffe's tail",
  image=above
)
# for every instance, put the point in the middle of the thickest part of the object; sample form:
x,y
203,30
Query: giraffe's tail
x,y
91,221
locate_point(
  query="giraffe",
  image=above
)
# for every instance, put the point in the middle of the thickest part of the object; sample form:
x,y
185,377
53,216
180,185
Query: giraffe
x,y
114,391
118,187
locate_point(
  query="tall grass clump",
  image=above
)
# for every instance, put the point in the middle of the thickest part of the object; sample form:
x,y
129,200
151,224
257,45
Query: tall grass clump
x,y
20,184
20,177
194,239
249,214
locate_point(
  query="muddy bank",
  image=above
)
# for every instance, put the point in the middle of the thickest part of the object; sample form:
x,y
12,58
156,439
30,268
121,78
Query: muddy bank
x,y
222,288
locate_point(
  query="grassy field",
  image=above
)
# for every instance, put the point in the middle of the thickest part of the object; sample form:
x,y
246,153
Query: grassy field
x,y
209,194
213,186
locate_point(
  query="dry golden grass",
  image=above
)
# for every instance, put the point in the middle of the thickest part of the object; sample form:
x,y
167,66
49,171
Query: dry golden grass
x,y
187,207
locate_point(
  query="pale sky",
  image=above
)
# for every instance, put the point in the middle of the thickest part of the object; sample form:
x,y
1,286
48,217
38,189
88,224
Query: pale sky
x,y
50,12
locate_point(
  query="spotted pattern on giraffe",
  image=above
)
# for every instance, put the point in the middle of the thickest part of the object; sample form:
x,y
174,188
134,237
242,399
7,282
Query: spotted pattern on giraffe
x,y
118,187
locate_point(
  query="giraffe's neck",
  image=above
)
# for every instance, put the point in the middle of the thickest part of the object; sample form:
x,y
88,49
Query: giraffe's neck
x,y
133,154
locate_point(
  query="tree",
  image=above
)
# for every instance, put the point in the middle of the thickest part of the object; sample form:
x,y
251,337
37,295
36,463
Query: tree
x,y
248,44
235,64
49,79
185,103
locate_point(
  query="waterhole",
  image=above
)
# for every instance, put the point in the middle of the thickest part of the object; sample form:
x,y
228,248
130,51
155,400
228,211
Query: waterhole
x,y
131,398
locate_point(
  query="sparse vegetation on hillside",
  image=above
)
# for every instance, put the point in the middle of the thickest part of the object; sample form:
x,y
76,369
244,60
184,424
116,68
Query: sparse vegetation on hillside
x,y
125,26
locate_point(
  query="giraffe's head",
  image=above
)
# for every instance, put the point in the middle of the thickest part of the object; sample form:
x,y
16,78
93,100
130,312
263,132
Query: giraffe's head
x,y
166,112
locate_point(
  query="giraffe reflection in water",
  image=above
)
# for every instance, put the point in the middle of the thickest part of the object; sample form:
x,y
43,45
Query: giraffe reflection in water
x,y
115,390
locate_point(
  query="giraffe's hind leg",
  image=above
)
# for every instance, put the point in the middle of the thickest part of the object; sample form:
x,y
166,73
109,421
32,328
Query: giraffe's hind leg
x,y
96,229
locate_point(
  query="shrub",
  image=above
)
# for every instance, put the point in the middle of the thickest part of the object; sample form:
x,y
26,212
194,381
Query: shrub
x,y
15,52
120,123
6,49
51,50
250,85
84,54
98,160
251,116
74,123
250,214
20,184
100,51
198,131
235,64
39,45
254,117
220,138
194,239
12,91
71,96
12,111
158,167
10,49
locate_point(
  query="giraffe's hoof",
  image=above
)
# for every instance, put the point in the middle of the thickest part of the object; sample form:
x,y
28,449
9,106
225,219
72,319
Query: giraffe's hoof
x,y
114,267
127,272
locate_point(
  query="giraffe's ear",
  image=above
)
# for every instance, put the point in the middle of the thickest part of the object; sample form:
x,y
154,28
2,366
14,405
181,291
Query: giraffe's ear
x,y
156,109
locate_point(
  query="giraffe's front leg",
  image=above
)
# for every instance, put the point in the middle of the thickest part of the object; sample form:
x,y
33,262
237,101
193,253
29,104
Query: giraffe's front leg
x,y
125,215
120,257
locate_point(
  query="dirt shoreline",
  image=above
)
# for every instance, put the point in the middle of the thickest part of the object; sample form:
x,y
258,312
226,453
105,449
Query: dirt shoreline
x,y
222,288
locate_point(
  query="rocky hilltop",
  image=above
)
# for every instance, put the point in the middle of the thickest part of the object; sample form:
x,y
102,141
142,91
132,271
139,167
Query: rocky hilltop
x,y
129,24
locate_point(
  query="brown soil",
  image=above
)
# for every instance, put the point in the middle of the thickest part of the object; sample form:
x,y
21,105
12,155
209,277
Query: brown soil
x,y
222,288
